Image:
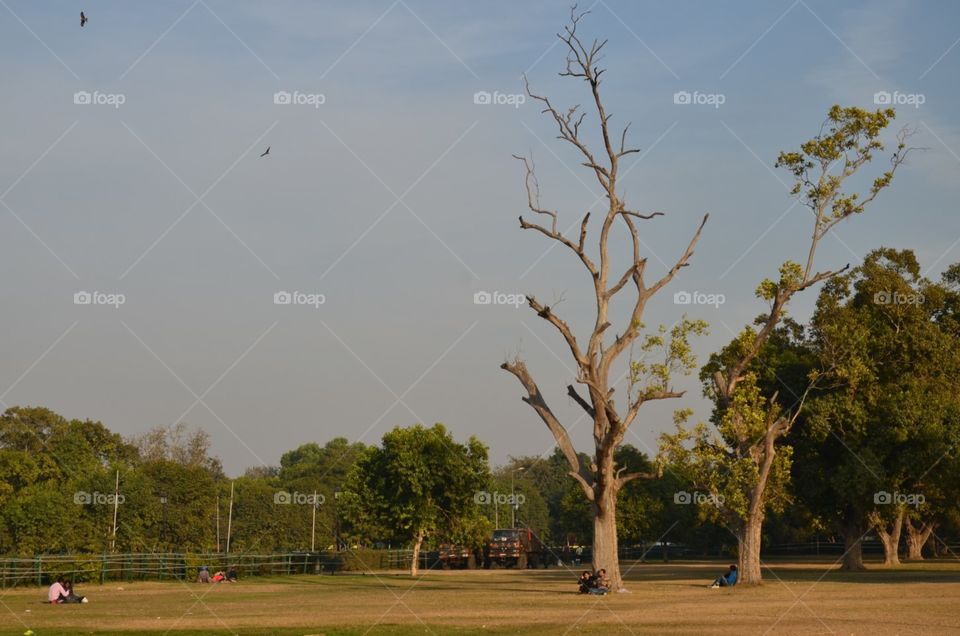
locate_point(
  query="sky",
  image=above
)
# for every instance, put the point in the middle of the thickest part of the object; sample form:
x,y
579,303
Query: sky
x,y
148,250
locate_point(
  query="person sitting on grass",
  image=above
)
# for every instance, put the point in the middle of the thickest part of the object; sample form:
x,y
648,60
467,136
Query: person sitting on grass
x,y
232,574
70,596
585,582
219,576
727,579
204,575
57,592
601,584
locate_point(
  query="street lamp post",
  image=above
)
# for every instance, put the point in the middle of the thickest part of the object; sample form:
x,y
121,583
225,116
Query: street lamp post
x,y
513,498
163,520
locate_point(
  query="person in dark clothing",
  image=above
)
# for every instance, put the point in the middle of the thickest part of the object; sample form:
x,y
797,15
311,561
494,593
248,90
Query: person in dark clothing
x,y
727,579
71,596
585,582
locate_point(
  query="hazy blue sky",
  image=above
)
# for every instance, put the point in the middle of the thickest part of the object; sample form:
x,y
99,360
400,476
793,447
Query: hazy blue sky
x,y
397,198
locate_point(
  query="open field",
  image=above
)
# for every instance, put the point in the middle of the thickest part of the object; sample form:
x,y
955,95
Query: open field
x,y
798,598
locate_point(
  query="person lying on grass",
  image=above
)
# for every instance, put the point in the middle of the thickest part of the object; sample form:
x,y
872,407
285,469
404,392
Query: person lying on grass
x,y
727,579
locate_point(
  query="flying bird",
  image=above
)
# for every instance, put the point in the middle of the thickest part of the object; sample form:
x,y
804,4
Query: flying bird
x,y
266,152
83,19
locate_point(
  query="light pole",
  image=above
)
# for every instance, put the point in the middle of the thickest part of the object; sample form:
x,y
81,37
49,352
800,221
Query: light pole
x,y
163,520
513,498
336,511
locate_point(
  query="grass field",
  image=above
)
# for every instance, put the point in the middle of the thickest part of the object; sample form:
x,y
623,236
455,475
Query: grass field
x,y
797,598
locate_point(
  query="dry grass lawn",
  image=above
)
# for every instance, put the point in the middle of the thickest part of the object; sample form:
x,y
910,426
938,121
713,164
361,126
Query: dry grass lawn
x,y
798,598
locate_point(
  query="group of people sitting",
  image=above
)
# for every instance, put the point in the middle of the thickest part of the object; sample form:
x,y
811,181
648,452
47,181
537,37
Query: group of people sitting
x,y
62,592
596,583
204,575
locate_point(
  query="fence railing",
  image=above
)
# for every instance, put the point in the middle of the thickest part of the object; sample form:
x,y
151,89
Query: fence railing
x,y
101,568
94,568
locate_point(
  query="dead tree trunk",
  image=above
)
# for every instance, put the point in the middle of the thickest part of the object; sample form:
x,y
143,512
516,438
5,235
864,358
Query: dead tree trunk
x,y
596,356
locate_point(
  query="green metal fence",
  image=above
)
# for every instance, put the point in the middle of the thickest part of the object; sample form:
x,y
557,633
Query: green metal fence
x,y
93,568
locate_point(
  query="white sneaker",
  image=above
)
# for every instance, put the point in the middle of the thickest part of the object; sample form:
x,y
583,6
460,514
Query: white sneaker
x,y
714,587
84,600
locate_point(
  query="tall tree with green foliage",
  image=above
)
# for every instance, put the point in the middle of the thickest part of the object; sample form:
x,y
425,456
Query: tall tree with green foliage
x,y
750,424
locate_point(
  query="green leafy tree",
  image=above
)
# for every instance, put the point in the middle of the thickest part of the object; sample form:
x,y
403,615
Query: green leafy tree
x,y
883,440
419,483
744,465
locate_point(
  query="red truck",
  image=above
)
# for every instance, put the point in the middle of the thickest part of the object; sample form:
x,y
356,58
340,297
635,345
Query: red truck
x,y
514,547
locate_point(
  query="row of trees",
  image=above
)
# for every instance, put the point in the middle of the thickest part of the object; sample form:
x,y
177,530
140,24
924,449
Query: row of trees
x,y
853,381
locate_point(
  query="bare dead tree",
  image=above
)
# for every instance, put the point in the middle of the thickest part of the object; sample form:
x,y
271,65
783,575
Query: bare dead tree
x,y
594,358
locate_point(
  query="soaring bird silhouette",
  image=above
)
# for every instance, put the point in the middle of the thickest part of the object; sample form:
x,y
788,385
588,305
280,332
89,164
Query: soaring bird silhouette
x,y
83,19
266,152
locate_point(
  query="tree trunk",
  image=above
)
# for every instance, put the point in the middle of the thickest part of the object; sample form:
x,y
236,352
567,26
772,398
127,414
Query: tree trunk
x,y
414,564
890,538
917,537
605,553
852,560
748,555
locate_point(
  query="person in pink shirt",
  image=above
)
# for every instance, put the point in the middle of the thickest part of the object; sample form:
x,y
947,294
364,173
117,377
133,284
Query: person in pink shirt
x,y
57,592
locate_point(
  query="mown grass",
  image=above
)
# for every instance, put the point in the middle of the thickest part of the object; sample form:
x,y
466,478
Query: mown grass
x,y
798,598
